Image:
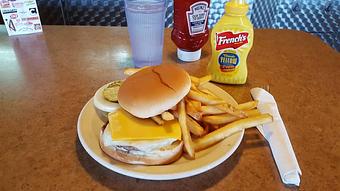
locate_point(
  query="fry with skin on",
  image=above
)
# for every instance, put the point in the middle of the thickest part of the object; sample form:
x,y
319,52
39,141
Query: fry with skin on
x,y
194,127
157,119
229,129
188,145
248,105
204,98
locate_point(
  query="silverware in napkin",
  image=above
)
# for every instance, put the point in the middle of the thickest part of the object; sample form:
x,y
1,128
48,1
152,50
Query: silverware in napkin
x,y
276,135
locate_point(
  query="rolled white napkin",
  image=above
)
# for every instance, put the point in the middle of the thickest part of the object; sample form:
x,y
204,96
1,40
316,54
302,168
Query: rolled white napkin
x,y
276,135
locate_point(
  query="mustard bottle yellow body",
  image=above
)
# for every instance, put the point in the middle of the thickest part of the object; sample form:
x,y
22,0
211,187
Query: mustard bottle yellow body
x,y
231,40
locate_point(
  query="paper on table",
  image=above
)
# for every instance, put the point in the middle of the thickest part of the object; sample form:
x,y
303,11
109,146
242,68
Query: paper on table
x,y
276,135
20,16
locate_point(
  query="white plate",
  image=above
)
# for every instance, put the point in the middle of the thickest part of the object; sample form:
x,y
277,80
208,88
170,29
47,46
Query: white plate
x,y
90,122
101,103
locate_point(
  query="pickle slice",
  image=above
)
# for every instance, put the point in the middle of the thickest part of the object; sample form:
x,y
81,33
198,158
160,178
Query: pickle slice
x,y
110,93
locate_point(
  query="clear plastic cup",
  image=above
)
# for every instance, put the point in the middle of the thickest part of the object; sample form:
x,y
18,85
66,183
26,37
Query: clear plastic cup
x,y
145,19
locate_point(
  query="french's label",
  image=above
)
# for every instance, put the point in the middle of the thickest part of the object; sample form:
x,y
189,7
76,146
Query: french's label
x,y
197,17
228,61
228,39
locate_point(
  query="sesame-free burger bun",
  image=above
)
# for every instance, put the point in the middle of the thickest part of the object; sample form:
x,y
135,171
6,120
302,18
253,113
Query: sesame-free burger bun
x,y
154,90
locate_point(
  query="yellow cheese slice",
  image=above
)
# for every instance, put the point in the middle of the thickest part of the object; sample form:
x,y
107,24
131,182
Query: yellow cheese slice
x,y
124,126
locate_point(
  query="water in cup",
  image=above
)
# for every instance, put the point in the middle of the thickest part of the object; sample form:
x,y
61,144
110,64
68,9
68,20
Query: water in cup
x,y
145,20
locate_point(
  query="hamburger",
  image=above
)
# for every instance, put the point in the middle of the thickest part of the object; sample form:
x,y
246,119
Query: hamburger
x,y
131,136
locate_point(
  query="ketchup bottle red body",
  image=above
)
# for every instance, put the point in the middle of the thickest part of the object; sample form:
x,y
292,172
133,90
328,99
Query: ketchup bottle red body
x,y
190,31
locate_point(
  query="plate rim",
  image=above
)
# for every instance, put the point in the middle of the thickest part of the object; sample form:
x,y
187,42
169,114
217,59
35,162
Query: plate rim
x,y
148,176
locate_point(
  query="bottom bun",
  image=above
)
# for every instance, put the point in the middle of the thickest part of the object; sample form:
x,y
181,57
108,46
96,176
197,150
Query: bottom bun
x,y
153,152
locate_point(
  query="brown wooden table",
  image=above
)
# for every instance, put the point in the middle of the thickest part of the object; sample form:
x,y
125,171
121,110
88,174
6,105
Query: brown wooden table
x,y
45,80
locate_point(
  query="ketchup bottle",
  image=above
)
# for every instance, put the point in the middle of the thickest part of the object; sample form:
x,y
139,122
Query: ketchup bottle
x,y
190,31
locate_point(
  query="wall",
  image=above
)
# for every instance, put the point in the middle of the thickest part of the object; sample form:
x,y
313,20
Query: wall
x,y
318,17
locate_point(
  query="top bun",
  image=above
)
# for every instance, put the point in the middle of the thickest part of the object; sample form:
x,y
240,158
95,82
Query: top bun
x,y
154,90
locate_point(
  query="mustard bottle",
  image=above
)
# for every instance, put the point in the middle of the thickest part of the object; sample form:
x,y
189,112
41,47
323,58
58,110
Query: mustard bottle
x,y
231,40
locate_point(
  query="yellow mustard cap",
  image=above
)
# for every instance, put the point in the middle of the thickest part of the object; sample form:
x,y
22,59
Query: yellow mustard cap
x,y
236,7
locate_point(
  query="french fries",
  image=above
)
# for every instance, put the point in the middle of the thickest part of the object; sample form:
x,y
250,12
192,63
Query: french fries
x,y
167,116
220,119
220,109
206,92
196,104
204,98
229,129
193,87
204,79
253,112
247,106
194,127
227,118
209,118
195,80
214,127
188,145
215,109
157,119
199,81
193,111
